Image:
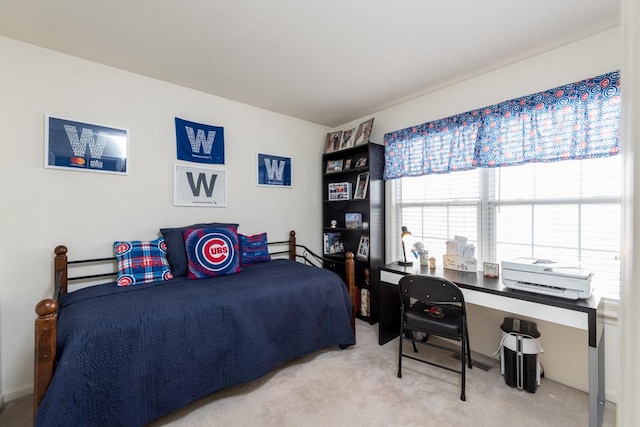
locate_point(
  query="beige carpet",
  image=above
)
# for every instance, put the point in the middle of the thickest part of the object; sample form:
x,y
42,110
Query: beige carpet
x,y
359,387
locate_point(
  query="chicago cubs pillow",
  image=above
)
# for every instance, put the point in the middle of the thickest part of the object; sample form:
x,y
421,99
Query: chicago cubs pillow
x,y
141,262
176,253
254,249
211,252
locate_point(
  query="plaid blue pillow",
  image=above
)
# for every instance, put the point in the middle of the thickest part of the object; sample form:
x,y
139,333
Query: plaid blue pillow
x,y
142,262
254,249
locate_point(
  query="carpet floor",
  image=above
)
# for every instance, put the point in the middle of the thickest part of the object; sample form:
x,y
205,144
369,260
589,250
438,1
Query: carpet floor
x,y
359,387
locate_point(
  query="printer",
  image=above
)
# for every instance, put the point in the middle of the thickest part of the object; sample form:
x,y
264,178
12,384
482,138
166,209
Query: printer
x,y
547,277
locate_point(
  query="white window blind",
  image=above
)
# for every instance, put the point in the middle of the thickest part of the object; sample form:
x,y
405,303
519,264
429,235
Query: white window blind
x,y
567,211
437,207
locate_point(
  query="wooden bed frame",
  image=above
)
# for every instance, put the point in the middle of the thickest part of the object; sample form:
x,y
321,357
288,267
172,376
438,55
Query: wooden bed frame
x,y
47,309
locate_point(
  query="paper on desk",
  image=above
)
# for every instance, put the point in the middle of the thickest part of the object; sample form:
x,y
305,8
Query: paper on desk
x,y
459,246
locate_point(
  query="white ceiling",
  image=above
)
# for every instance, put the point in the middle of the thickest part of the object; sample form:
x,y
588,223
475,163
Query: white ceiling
x,y
325,61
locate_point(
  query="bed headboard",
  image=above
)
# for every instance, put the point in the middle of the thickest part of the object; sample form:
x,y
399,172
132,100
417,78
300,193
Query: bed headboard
x,y
67,272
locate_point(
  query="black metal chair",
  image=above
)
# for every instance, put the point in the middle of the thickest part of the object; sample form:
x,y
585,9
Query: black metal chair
x,y
433,306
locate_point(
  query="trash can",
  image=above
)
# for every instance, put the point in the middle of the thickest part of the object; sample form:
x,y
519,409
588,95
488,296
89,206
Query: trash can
x,y
520,362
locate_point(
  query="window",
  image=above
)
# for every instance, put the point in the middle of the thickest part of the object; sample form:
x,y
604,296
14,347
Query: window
x,y
566,211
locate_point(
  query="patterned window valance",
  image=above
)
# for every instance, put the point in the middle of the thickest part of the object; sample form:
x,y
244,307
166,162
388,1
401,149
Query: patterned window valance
x,y
576,121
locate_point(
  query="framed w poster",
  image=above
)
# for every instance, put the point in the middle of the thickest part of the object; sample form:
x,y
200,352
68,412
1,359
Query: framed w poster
x,y
73,145
274,171
198,186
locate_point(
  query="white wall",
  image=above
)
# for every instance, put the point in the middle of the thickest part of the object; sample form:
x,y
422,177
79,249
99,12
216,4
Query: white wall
x,y
96,209
42,208
565,357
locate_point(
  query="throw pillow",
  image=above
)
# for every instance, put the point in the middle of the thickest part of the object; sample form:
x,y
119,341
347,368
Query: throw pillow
x,y
142,262
176,252
254,249
211,252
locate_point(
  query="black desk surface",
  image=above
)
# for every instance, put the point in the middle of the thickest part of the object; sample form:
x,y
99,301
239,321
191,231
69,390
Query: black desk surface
x,y
477,282
389,299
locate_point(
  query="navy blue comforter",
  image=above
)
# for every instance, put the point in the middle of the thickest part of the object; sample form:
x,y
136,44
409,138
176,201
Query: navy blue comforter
x,y
129,355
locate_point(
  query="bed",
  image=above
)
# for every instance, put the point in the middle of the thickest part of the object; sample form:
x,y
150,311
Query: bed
x,y
114,355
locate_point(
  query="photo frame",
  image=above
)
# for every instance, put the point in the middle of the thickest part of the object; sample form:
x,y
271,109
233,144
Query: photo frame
x,y
363,248
361,162
364,132
361,186
490,269
199,187
347,164
339,191
353,220
274,171
82,146
348,139
334,166
333,142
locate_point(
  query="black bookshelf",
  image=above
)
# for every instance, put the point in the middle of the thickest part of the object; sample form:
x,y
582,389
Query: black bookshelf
x,y
342,169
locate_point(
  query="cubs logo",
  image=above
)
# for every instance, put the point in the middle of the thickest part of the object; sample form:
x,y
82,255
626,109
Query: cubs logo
x,y
122,248
214,251
126,280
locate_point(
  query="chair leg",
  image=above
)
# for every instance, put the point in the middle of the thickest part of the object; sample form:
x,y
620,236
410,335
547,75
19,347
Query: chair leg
x,y
465,350
400,352
466,333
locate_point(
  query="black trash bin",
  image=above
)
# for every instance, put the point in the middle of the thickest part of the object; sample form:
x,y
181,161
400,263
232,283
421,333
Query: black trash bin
x,y
520,362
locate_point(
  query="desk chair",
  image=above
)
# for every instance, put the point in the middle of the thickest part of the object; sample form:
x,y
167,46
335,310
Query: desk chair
x,y
433,306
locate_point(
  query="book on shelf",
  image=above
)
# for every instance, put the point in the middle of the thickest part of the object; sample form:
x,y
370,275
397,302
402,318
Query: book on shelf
x,y
333,244
364,302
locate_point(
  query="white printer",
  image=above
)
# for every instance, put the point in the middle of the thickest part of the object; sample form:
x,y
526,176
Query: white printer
x,y
546,277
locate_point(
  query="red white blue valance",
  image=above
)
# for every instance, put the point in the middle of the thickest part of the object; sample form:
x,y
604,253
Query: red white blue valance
x,y
579,120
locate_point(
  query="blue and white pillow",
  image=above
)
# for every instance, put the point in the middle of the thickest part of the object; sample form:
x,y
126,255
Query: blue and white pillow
x,y
141,261
212,252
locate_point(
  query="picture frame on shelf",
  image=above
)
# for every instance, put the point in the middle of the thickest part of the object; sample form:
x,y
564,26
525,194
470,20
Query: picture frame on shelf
x,y
363,248
364,132
353,220
347,164
333,141
362,184
334,166
361,162
339,191
348,139
333,244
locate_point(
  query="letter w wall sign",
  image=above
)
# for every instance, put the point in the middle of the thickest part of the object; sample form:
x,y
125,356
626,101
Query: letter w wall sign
x,y
274,170
199,143
75,145
197,186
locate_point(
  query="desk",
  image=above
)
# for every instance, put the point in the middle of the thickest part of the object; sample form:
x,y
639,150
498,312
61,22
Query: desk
x,y
582,314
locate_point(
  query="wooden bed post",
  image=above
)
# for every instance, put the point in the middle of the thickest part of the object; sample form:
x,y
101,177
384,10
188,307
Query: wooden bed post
x,y
60,268
45,349
292,245
351,286
46,330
